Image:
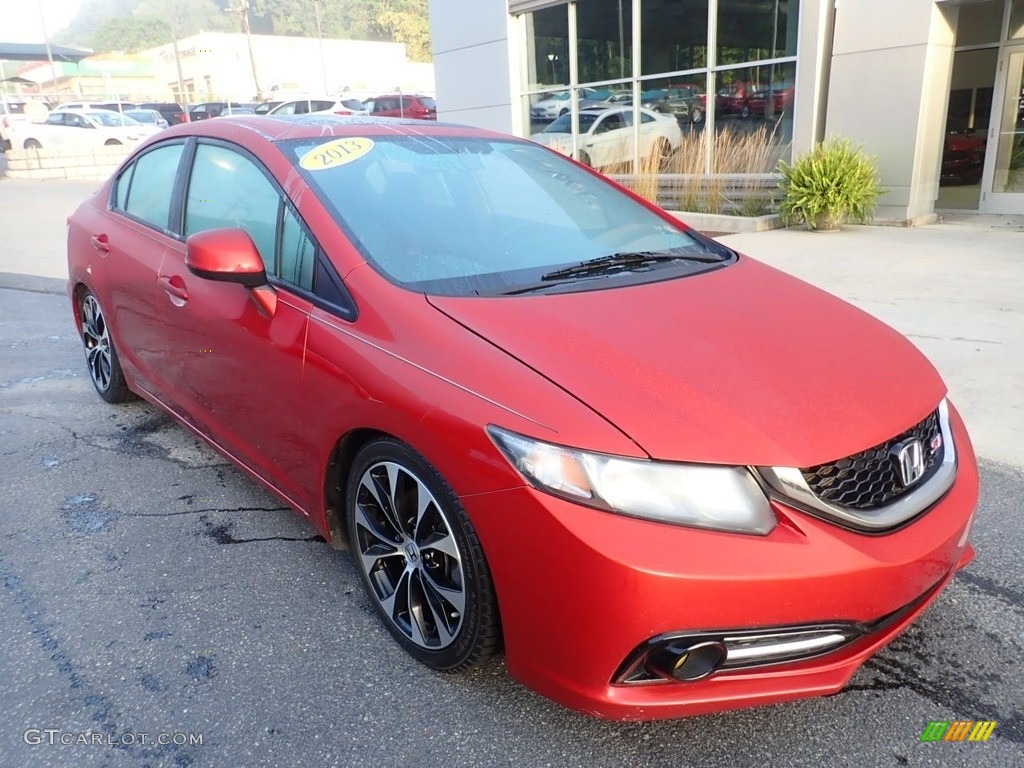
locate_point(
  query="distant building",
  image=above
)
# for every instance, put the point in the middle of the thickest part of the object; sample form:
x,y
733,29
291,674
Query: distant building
x,y
217,66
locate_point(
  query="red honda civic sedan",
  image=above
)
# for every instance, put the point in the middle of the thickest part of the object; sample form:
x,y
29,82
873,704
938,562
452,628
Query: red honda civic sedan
x,y
541,413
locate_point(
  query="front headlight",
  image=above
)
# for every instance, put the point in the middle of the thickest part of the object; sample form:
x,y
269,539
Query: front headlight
x,y
704,496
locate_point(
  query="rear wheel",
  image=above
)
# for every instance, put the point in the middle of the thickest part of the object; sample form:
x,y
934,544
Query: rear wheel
x,y
420,559
585,159
32,144
100,355
112,143
696,115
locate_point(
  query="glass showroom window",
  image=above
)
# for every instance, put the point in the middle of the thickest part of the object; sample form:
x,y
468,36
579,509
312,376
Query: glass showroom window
x,y
545,74
604,40
723,69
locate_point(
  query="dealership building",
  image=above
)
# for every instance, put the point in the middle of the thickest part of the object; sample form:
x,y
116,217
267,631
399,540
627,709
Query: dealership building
x,y
932,88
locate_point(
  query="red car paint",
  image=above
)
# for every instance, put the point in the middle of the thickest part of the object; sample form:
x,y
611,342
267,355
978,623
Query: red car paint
x,y
743,365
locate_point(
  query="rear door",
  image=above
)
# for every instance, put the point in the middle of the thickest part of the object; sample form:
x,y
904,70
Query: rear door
x,y
130,239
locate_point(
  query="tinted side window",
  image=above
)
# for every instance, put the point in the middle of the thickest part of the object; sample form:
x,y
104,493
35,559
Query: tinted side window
x,y
298,253
149,197
228,190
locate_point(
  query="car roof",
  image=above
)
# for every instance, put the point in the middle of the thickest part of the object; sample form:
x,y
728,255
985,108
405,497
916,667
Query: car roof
x,y
284,127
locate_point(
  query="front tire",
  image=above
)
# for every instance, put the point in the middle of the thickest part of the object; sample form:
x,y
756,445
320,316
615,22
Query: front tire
x,y
112,143
32,144
420,560
100,354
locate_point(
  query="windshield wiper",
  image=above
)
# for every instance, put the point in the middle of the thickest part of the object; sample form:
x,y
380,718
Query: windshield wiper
x,y
632,259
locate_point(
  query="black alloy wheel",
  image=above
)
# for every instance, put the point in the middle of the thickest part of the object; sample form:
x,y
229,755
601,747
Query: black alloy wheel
x,y
420,559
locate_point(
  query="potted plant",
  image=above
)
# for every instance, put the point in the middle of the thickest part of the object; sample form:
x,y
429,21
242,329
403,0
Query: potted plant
x,y
833,183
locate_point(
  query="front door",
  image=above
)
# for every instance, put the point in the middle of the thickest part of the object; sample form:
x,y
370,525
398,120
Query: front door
x,y
1003,182
239,370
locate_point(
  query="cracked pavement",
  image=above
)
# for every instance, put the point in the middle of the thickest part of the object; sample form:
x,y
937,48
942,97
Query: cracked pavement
x,y
126,608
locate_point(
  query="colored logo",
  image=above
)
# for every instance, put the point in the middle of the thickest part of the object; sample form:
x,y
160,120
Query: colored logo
x,y
958,730
334,153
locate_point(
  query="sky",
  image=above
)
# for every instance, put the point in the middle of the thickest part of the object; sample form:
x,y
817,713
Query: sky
x,y
25,24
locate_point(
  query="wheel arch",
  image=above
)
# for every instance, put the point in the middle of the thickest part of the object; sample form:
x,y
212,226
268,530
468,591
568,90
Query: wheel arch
x,y
336,481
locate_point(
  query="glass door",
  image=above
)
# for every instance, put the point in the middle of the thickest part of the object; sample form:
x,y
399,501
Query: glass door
x,y
1004,168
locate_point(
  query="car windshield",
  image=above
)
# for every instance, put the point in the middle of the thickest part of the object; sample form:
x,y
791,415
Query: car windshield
x,y
428,102
563,124
478,216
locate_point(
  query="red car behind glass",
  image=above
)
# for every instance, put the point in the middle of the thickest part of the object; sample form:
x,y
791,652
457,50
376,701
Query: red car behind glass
x,y
488,371
403,105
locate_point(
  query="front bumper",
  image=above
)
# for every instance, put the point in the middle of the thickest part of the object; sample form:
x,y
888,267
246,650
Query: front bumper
x,y
580,590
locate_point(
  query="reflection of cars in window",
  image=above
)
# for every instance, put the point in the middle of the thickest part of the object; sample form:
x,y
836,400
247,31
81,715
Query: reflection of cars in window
x,y
403,105
486,371
606,135
686,102
732,98
557,103
602,100
963,158
758,103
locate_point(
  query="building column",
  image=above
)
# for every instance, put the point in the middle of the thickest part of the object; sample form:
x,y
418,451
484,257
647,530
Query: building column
x,y
888,90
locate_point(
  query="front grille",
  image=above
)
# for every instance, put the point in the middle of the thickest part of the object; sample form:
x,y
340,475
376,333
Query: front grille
x,y
872,479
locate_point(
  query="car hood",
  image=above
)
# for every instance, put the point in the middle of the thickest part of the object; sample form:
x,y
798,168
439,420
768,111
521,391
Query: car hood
x,y
742,365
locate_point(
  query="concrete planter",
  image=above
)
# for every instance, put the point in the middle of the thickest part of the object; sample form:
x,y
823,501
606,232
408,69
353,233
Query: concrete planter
x,y
720,223
96,163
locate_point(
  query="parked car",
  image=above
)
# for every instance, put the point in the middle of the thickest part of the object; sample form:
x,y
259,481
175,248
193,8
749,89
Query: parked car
x,y
147,117
12,111
111,106
81,127
606,135
655,515
265,107
781,99
238,109
172,113
685,102
605,99
208,109
731,98
325,106
963,158
403,105
553,105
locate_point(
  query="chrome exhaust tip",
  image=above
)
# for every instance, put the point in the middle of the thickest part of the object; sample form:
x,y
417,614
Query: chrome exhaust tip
x,y
686,661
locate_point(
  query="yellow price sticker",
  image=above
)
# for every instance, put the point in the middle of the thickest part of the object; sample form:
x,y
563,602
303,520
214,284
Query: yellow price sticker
x,y
334,153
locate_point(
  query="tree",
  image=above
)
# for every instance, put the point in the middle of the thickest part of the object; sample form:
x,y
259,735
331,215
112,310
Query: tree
x,y
134,33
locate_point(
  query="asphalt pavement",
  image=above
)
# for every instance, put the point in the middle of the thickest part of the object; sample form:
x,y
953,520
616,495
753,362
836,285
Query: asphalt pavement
x,y
149,591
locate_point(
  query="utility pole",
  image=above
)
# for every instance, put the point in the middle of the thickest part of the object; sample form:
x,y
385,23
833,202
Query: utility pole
x,y
172,13
320,37
46,40
244,12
